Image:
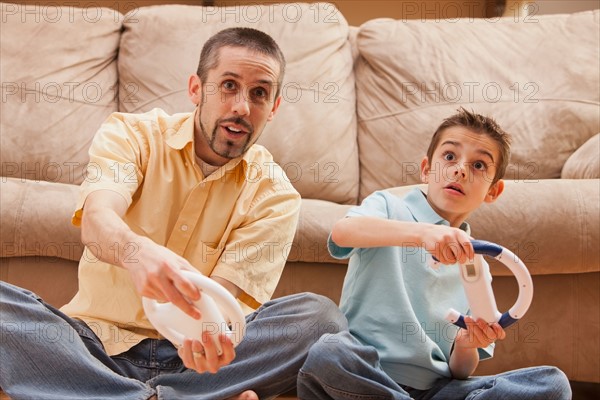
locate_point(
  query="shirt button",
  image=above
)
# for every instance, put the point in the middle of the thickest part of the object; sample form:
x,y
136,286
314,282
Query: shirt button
x,y
184,227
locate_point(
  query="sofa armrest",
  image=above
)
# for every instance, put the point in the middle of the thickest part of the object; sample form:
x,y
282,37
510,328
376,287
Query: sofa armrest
x,y
36,219
584,162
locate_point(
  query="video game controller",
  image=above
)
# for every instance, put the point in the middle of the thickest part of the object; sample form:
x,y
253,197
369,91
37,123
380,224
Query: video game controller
x,y
220,313
477,283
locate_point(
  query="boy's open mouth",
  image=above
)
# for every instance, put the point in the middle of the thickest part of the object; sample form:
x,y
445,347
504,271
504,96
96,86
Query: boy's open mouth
x,y
456,188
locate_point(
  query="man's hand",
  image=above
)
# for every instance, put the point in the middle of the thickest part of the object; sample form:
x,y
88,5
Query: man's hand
x,y
203,356
156,274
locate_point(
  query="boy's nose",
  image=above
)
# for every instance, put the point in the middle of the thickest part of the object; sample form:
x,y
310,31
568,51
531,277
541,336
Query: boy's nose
x,y
460,170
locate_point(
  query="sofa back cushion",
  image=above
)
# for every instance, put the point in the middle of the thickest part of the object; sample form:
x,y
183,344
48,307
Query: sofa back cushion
x,y
537,76
59,82
313,135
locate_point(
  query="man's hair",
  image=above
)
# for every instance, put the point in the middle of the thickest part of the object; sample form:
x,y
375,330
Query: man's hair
x,y
478,124
248,38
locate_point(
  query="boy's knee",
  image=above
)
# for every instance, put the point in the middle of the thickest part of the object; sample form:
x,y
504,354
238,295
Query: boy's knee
x,y
558,383
329,352
549,383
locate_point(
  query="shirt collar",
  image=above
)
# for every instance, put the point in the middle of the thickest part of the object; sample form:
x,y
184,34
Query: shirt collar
x,y
416,202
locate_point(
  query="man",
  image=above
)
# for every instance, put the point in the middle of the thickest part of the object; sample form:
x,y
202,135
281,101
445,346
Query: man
x,y
167,193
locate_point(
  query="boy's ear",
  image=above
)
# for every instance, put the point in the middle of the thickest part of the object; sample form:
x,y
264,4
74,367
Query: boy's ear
x,y
425,167
495,190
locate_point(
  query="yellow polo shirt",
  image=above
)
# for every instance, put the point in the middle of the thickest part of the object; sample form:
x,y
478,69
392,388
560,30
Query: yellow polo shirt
x,y
238,223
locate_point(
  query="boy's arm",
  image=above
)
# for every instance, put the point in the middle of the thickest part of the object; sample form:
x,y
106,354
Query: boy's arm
x,y
449,245
465,356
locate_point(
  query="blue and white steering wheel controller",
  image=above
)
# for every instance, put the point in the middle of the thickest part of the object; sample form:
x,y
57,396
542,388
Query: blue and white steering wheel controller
x,y
477,282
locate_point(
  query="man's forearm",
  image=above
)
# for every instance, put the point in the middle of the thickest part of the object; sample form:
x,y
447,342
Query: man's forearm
x,y
108,237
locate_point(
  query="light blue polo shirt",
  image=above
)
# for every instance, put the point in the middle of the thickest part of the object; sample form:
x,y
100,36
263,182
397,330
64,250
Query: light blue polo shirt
x,y
395,302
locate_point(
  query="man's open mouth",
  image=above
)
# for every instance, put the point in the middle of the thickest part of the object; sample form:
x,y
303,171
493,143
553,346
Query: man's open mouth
x,y
234,130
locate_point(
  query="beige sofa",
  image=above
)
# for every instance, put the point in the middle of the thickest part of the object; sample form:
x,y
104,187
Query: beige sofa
x,y
360,104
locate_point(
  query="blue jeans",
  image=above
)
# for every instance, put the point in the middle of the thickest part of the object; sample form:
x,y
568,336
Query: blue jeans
x,y
44,354
340,367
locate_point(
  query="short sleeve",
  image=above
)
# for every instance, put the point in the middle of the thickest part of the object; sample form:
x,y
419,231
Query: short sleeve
x,y
375,205
116,158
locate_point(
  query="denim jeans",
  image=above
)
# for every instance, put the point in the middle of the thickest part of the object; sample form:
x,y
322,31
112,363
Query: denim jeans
x,y
340,367
44,354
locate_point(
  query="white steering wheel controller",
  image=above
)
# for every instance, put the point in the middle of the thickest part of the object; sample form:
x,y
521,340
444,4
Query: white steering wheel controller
x,y
220,313
477,282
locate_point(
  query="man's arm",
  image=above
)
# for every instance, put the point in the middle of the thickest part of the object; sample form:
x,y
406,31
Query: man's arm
x,y
154,269
449,245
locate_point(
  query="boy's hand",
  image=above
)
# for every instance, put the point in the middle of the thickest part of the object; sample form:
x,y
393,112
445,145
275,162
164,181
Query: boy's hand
x,y
479,334
449,245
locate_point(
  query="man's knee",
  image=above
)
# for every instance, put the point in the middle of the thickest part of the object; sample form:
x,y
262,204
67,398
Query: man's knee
x,y
324,311
15,295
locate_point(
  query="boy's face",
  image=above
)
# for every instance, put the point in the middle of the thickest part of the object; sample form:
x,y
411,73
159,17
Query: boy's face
x,y
460,174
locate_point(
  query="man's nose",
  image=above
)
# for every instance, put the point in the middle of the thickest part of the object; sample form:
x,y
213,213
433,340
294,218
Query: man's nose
x,y
241,105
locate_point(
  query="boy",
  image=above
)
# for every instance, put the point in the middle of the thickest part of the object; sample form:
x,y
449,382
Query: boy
x,y
399,345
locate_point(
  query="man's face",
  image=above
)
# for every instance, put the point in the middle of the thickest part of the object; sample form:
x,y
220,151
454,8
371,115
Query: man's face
x,y
234,104
460,173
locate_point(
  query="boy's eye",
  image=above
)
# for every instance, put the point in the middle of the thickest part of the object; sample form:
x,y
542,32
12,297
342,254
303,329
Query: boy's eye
x,y
479,165
448,157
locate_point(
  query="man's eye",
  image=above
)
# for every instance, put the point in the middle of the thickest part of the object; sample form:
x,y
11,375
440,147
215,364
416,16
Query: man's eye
x,y
259,93
229,85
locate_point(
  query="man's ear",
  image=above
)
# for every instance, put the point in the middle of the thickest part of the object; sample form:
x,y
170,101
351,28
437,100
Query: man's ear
x,y
425,167
494,192
195,89
274,109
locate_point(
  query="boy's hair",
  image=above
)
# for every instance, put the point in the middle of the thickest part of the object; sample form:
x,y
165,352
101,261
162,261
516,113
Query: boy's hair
x,y
248,38
479,124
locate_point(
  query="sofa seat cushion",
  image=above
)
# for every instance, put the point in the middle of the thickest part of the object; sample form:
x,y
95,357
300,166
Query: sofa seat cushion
x,y
537,77
59,82
313,135
317,218
585,162
36,219
558,235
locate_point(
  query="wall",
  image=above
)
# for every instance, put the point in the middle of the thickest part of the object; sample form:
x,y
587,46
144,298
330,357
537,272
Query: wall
x,y
358,11
561,7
